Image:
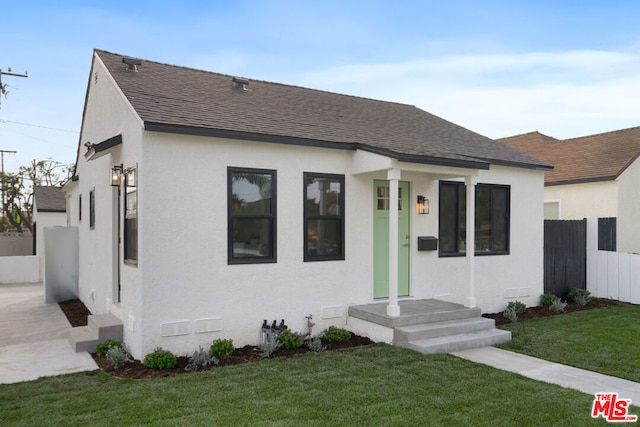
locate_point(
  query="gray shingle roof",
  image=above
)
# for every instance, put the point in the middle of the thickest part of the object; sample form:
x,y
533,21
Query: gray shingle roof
x,y
178,99
49,199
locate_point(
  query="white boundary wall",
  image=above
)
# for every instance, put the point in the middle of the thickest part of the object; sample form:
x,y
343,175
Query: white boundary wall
x,y
613,275
19,269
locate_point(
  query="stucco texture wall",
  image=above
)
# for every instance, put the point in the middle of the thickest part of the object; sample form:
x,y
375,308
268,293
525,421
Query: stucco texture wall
x,y
628,222
578,201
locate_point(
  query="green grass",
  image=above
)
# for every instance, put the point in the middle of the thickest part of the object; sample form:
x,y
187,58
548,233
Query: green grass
x,y
376,385
604,340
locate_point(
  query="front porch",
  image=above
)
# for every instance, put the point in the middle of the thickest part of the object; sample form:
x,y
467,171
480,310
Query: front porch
x,y
428,326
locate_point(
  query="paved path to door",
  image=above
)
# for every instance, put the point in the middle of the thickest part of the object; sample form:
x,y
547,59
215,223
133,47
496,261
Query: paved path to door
x,y
33,337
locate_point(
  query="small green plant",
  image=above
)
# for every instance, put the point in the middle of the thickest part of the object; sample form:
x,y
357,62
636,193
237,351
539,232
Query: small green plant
x,y
222,347
117,355
160,359
289,340
547,299
103,347
200,359
579,296
315,345
334,334
510,313
557,306
519,307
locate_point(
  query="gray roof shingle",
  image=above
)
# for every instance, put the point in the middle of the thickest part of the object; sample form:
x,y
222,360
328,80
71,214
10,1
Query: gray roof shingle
x,y
49,199
184,100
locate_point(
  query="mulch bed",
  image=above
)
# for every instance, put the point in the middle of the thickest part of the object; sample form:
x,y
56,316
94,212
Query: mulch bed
x,y
77,313
571,307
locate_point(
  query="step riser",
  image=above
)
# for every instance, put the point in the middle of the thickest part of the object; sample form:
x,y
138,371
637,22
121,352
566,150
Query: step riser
x,y
99,329
434,330
462,343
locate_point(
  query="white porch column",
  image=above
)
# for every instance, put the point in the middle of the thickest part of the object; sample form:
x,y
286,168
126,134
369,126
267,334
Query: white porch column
x,y
470,183
393,309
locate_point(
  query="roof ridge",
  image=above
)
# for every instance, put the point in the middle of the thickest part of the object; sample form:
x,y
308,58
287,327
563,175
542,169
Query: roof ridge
x,y
535,132
259,80
601,134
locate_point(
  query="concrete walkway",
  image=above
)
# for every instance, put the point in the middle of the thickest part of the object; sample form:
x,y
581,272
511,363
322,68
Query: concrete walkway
x,y
33,337
554,373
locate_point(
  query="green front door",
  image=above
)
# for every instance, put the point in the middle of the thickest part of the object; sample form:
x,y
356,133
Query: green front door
x,y
381,205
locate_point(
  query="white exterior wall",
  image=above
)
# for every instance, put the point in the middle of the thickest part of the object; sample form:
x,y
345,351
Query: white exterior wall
x,y
628,222
182,218
578,201
499,278
109,116
42,220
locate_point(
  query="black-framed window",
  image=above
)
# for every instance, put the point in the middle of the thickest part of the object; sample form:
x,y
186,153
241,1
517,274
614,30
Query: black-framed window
x,y
131,216
251,200
492,219
80,208
92,209
323,217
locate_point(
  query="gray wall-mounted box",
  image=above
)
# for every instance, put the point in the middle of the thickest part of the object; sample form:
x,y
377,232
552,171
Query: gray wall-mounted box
x,y
427,243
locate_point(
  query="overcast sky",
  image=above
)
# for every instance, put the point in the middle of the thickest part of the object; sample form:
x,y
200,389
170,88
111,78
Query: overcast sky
x,y
499,68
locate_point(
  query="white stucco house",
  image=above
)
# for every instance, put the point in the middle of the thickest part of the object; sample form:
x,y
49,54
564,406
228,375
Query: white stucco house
x,y
594,176
236,200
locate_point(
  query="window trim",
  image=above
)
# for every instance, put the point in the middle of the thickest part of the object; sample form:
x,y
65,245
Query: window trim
x,y
272,217
306,218
79,208
462,185
130,215
92,209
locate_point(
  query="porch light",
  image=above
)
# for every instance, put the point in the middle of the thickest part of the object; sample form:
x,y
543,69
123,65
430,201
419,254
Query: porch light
x,y
116,175
423,205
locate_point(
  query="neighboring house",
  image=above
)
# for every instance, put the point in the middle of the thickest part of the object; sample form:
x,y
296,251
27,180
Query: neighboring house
x,y
49,210
237,200
593,176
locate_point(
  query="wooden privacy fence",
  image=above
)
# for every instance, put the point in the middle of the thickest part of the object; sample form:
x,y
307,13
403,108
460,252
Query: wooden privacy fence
x,y
565,256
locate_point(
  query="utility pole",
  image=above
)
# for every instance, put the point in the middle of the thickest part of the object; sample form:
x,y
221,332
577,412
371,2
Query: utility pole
x,y
9,73
2,157
4,92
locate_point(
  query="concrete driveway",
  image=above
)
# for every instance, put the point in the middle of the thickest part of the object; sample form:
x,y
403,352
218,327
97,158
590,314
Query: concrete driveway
x,y
33,337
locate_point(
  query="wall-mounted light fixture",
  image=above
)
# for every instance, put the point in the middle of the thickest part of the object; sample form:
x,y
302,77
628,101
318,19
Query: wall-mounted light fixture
x,y
423,205
116,175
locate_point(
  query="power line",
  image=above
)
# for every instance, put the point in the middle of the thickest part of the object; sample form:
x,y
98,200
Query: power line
x,y
38,126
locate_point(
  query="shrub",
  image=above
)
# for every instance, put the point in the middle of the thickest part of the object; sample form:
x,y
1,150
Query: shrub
x,y
510,313
117,355
222,347
200,359
160,359
557,305
334,334
315,345
547,299
579,296
102,348
289,340
519,307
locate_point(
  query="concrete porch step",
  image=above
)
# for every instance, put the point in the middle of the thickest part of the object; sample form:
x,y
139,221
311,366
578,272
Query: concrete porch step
x,y
413,313
404,334
100,328
465,341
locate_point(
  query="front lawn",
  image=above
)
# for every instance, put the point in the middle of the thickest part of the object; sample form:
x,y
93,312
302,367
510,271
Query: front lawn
x,y
604,340
378,385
